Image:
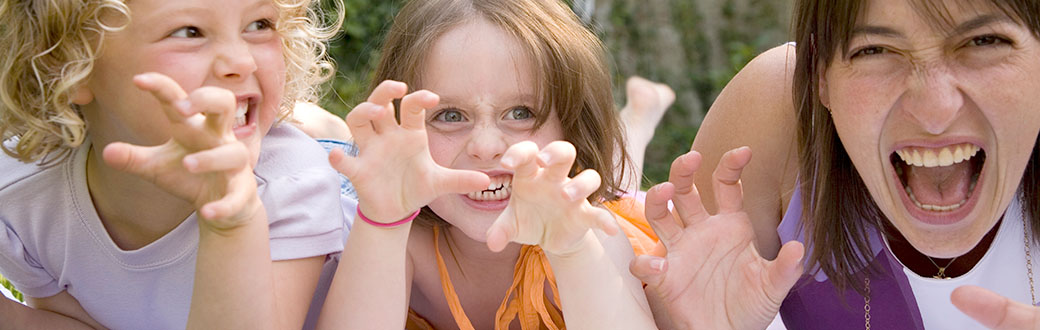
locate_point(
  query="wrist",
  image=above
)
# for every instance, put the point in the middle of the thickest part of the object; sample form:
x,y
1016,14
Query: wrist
x,y
588,242
252,213
390,224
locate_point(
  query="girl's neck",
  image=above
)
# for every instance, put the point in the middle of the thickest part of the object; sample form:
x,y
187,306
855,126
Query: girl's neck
x,y
475,252
133,211
925,266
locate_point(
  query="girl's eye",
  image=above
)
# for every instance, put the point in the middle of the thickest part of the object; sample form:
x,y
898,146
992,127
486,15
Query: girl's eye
x,y
986,40
519,113
868,51
187,32
450,116
263,24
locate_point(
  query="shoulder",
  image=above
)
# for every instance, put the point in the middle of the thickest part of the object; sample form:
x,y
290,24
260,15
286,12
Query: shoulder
x,y
15,171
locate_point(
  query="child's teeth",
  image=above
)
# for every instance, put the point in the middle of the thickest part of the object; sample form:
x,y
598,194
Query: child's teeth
x,y
240,113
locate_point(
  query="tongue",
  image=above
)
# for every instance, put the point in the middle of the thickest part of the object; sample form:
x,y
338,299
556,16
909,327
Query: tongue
x,y
940,186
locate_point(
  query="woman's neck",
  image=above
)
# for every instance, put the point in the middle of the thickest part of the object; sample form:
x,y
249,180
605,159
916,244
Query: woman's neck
x,y
925,266
133,211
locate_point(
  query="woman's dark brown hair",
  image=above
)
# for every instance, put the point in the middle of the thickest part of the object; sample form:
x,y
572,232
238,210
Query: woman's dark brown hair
x,y
569,63
837,209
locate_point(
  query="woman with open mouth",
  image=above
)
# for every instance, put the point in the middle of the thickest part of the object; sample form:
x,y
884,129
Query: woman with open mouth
x,y
906,165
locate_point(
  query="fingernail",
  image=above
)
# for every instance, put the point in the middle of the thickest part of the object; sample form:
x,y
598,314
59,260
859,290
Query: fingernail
x,y
544,157
657,264
570,192
508,162
182,105
190,163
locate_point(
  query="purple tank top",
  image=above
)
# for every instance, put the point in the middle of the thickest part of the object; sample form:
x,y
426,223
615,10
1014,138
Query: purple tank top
x,y
814,302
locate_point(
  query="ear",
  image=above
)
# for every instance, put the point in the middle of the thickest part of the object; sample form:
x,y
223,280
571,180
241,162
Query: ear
x,y
822,90
81,94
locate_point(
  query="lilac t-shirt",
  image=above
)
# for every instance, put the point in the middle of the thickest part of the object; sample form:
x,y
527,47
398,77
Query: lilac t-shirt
x,y
51,238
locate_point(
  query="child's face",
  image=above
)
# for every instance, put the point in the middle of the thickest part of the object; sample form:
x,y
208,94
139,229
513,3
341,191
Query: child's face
x,y
488,102
229,44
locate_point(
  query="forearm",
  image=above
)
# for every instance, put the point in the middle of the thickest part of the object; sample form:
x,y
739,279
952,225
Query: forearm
x,y
369,290
596,293
234,280
18,316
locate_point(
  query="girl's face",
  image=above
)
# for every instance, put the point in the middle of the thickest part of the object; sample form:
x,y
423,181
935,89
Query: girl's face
x,y
229,44
939,120
488,102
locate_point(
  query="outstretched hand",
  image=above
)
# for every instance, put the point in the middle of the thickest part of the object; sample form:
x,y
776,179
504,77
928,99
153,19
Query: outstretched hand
x,y
546,207
994,311
203,162
712,276
394,173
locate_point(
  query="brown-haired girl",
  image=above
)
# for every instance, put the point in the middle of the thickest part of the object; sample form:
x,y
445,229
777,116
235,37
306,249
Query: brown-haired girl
x,y
511,140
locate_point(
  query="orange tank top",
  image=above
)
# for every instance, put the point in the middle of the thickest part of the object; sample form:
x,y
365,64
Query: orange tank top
x,y
525,300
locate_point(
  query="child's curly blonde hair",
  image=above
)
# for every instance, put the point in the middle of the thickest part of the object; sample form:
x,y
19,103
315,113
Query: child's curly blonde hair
x,y
48,48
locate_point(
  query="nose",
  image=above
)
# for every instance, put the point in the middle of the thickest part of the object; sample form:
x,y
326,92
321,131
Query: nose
x,y
934,99
234,60
487,142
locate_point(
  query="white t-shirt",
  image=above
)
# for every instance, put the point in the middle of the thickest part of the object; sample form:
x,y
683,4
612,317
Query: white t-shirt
x,y
51,238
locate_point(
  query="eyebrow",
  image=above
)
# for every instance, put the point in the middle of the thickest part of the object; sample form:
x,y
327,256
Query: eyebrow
x,y
960,29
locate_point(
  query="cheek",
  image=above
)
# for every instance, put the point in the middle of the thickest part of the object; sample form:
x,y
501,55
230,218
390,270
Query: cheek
x,y
444,149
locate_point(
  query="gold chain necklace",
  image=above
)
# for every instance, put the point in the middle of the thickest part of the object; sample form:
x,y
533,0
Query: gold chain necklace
x,y
1029,273
942,270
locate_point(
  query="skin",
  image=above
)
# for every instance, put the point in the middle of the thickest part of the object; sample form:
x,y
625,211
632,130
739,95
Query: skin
x,y
479,123
916,86
171,80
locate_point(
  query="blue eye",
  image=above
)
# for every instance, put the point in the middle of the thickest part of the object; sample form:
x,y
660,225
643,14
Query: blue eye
x,y
263,24
187,32
450,116
519,113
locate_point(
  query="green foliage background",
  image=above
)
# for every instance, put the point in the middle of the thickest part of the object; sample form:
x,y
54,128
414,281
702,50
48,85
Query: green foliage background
x,y
694,46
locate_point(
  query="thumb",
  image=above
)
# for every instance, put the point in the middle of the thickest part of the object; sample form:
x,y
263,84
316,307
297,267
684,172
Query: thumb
x,y
461,181
502,231
649,269
342,163
785,270
129,158
995,311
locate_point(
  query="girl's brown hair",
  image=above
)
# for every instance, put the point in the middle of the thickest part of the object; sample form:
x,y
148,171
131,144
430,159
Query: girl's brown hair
x,y
569,61
837,209
48,48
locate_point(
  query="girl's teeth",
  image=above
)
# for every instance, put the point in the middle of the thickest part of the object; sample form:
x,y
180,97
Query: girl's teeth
x,y
943,157
240,113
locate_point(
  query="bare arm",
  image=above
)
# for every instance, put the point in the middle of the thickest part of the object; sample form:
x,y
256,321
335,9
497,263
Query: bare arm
x,y
60,311
755,110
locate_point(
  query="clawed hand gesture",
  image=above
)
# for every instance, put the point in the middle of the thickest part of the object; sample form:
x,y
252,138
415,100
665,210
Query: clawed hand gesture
x,y
202,162
394,173
547,208
712,276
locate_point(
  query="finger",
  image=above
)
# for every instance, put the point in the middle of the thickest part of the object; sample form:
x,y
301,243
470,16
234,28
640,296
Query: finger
x,y
384,96
172,98
785,270
520,158
413,109
359,121
649,269
582,185
994,311
660,218
461,182
226,157
726,180
342,163
502,231
218,104
687,199
557,158
129,158
231,204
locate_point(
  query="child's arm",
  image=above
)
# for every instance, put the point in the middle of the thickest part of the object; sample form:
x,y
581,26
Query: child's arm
x,y
60,311
551,210
394,176
206,165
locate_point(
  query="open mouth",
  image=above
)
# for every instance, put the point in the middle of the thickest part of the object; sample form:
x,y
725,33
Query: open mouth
x,y
245,116
939,179
498,190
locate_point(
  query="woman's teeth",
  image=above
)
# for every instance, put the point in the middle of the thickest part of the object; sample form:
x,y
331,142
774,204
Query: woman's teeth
x,y
944,157
499,189
240,113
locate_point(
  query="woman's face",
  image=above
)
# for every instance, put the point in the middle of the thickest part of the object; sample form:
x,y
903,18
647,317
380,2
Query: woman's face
x,y
488,102
939,120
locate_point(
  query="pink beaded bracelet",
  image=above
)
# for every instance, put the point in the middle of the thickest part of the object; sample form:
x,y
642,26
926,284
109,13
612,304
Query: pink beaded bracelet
x,y
386,225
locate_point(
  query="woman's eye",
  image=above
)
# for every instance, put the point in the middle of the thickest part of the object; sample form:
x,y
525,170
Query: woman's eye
x,y
519,113
187,32
868,51
263,24
986,40
450,116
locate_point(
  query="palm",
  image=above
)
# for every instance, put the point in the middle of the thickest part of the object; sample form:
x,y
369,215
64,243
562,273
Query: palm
x,y
540,211
715,279
394,173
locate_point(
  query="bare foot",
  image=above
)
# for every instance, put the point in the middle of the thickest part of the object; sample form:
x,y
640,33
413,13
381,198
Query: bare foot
x,y
647,103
